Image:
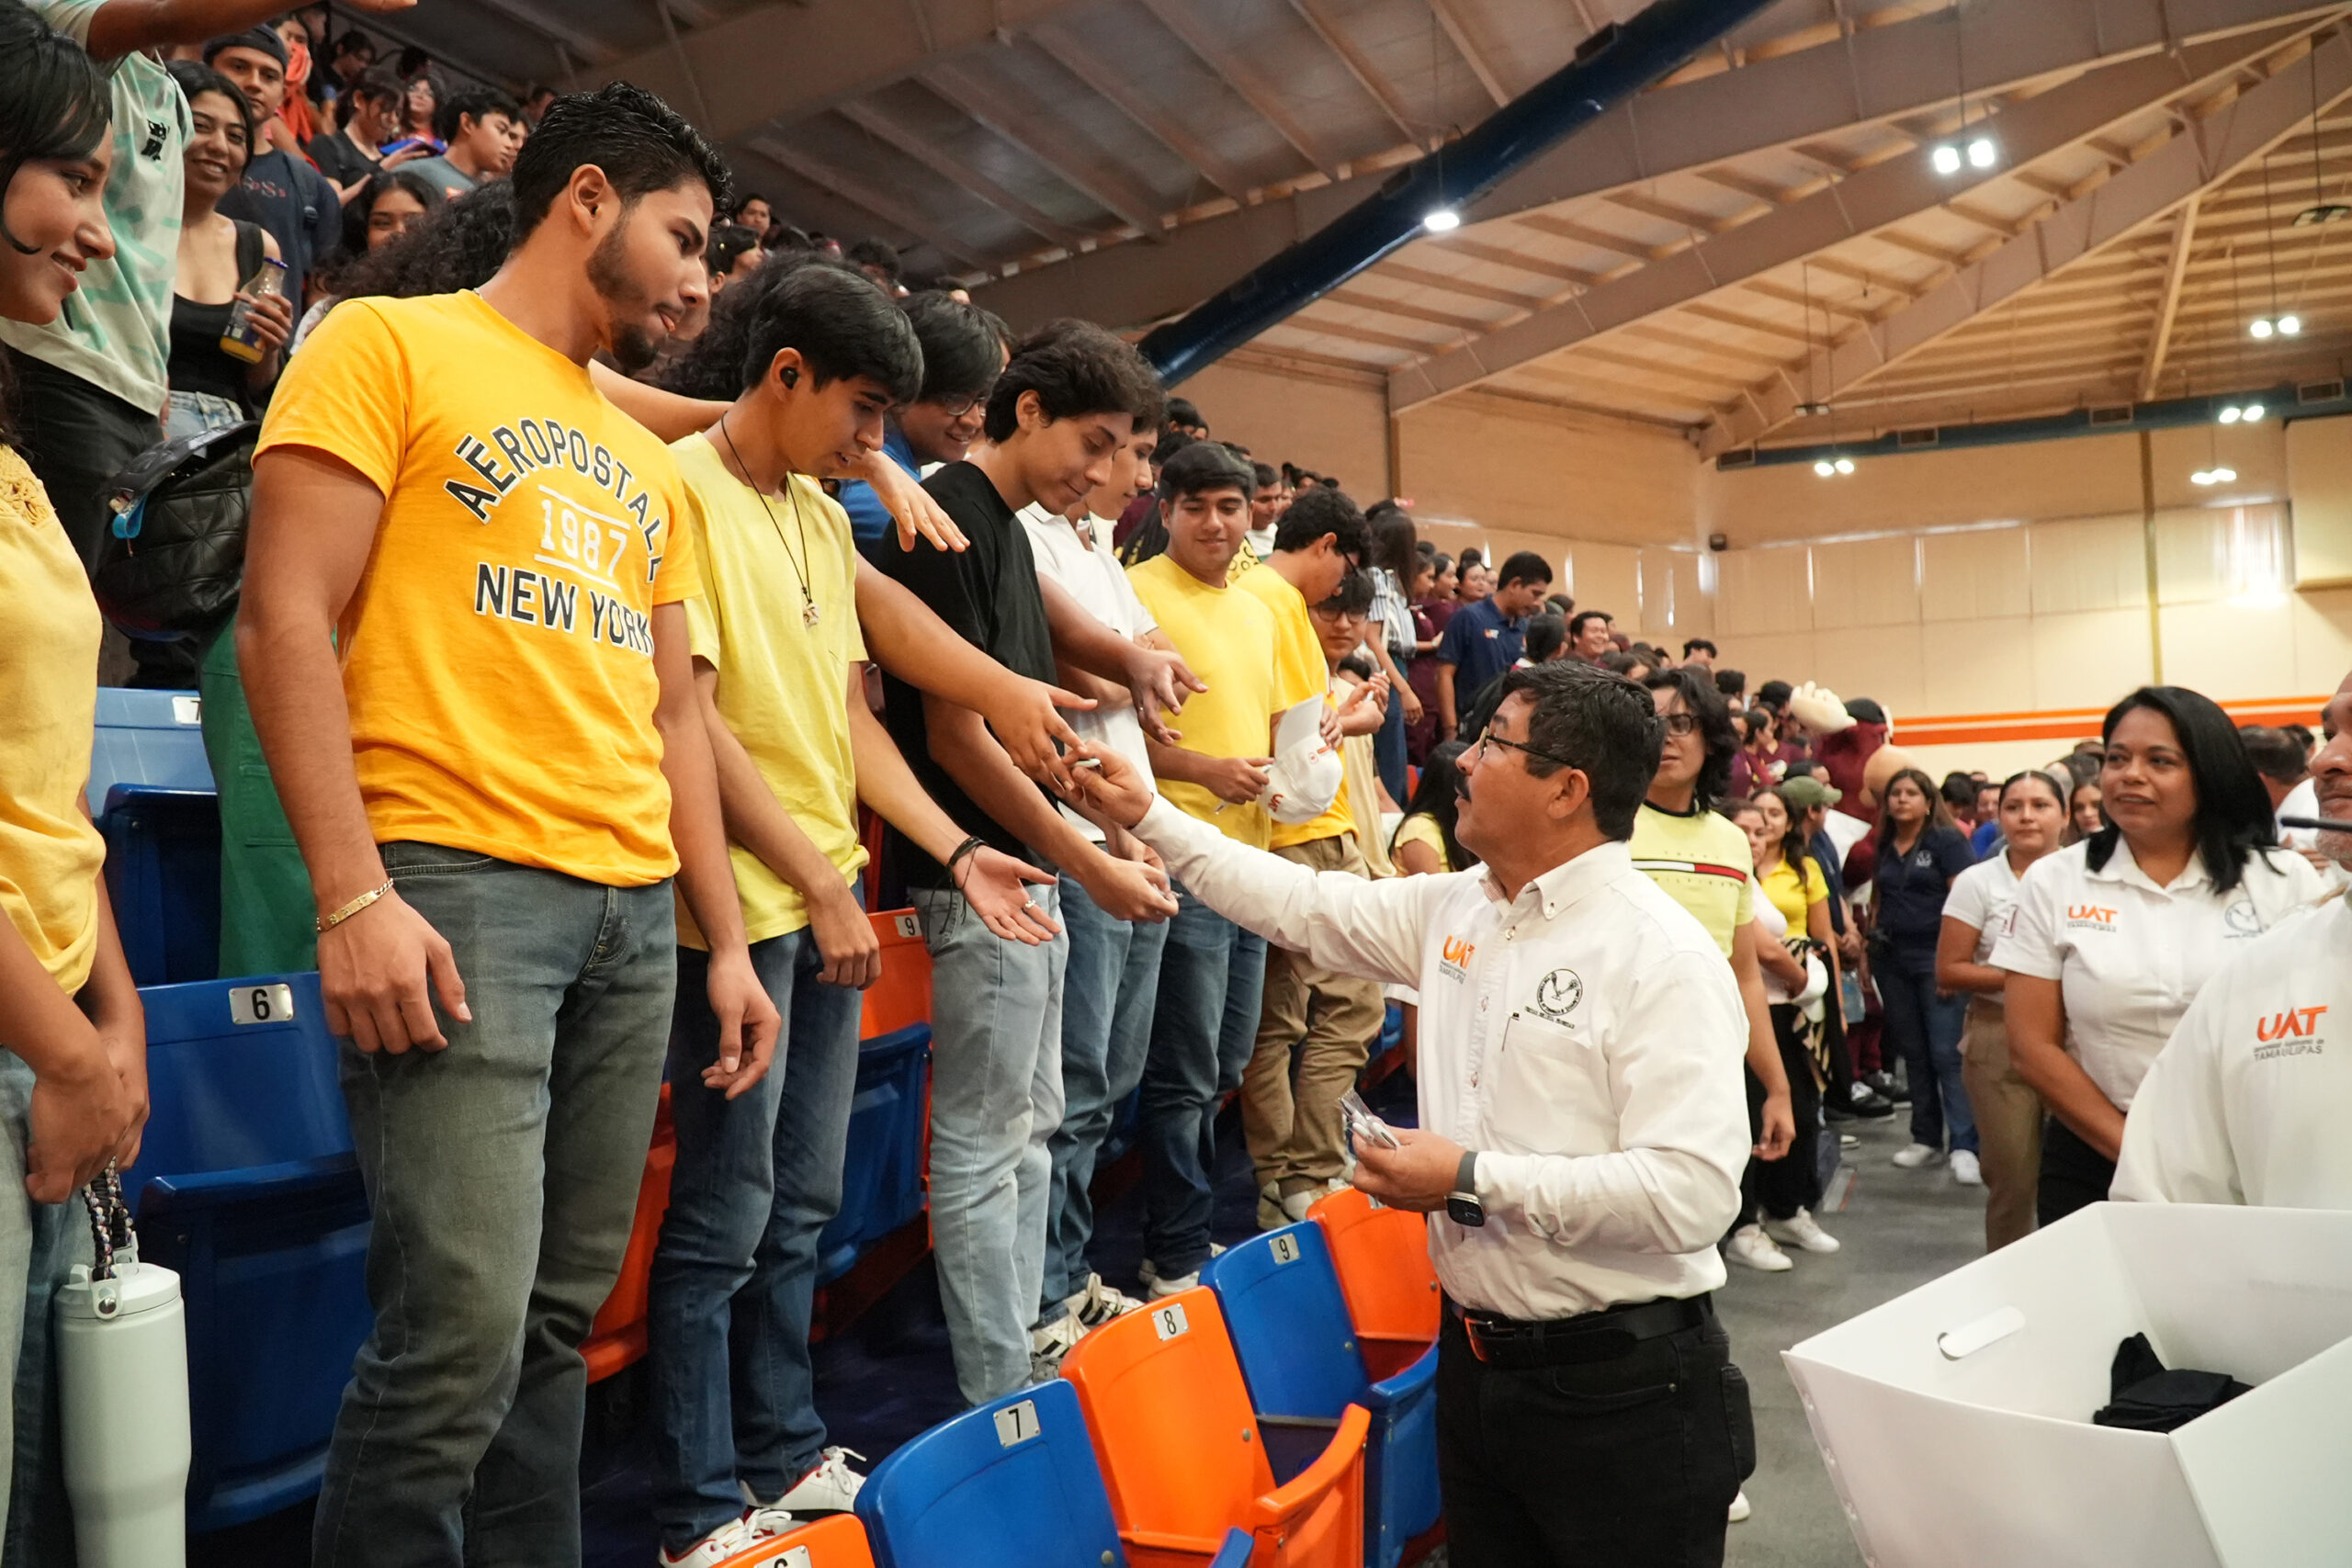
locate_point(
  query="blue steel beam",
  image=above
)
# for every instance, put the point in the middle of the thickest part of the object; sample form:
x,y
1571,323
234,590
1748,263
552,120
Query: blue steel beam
x,y
1614,63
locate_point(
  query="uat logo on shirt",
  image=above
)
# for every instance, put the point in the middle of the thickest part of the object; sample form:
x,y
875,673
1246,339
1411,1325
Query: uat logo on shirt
x,y
2094,916
1453,958
2293,1023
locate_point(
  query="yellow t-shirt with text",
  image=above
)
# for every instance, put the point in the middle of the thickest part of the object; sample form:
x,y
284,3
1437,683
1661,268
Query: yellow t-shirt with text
x,y
498,652
1230,639
1302,661
783,684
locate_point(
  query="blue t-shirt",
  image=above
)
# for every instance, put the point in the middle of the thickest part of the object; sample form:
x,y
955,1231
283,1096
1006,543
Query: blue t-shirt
x,y
1481,645
1911,891
1987,834
868,518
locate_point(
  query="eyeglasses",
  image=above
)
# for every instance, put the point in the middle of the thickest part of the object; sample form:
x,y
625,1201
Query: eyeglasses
x,y
1487,737
1681,723
956,408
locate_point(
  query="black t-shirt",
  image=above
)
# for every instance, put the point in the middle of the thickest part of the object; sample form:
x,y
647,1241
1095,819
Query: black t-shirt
x,y
339,160
988,593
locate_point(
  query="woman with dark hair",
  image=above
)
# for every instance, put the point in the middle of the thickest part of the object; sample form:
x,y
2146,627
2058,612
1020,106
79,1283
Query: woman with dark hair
x,y
1424,844
69,1012
2112,938
1390,634
2084,817
417,109
385,207
218,256
2031,820
1919,852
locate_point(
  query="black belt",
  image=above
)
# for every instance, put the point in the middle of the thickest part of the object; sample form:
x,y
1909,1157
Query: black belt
x,y
1601,1335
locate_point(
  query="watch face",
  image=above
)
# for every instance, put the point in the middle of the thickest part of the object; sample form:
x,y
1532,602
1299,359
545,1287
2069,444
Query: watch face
x,y
1465,1212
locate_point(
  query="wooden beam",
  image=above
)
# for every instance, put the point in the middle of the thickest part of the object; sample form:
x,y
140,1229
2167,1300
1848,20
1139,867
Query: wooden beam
x,y
1177,16
942,155
1449,17
1001,110
1541,266
1363,301
1464,287
1359,67
1117,84
1598,239
2184,233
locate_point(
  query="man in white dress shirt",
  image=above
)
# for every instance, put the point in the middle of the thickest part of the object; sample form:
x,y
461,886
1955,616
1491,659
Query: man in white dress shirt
x,y
1583,1129
2247,1102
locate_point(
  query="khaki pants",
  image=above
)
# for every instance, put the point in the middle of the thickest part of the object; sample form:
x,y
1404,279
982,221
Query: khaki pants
x,y
1331,1019
2008,1125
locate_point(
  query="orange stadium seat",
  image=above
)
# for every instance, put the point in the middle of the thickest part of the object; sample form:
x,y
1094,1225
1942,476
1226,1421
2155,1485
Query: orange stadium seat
x,y
1383,1258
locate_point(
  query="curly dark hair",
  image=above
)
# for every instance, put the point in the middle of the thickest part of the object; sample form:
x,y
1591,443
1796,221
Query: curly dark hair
x,y
1702,702
457,245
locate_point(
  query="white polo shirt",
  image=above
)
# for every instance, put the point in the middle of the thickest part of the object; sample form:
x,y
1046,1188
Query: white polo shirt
x,y
2130,956
1981,896
1093,576
1585,1037
2248,1103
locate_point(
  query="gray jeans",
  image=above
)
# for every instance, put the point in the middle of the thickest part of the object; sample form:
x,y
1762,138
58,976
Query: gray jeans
x,y
996,1097
504,1174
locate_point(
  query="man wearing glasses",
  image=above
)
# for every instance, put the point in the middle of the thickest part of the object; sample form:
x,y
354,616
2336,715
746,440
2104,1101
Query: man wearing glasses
x,y
1583,1120
964,350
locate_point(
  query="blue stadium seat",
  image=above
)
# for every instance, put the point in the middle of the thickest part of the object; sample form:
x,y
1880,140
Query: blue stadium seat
x,y
1299,1356
1012,1482
151,794
1235,1552
246,1186
882,1172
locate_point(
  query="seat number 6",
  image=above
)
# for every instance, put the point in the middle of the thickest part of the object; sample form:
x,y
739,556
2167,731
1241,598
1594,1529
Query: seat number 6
x,y
261,1004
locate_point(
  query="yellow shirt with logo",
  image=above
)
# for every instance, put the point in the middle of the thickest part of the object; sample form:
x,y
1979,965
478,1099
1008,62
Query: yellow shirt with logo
x,y
1701,860
50,856
783,684
1230,639
498,653
1301,654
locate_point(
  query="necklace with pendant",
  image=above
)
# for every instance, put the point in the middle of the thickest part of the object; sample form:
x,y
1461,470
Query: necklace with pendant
x,y
809,612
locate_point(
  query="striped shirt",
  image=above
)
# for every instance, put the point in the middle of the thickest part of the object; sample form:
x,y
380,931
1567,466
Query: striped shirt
x,y
1700,860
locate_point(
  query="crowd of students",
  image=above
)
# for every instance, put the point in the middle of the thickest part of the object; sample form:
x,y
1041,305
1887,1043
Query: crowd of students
x,y
607,559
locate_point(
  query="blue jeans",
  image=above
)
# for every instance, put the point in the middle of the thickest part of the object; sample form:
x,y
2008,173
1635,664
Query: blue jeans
x,y
735,1276
996,1097
503,1173
1211,977
1107,1005
1927,1029
1388,750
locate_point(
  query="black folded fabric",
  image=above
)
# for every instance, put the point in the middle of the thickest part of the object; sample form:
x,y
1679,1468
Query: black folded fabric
x,y
2145,1397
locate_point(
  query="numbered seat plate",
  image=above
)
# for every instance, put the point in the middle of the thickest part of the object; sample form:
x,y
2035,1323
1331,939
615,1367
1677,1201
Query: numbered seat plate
x,y
261,1004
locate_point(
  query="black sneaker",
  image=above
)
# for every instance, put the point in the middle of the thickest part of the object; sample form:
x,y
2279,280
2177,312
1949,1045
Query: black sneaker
x,y
1886,1085
1868,1105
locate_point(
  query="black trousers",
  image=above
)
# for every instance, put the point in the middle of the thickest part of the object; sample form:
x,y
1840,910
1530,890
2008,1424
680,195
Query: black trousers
x,y
1778,1189
2073,1175
1630,1462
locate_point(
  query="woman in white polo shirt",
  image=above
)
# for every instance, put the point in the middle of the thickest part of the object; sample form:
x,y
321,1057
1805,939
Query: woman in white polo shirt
x,y
2009,1114
2111,938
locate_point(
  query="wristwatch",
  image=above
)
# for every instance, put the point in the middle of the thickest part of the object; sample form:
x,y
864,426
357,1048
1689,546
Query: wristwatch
x,y
1462,1205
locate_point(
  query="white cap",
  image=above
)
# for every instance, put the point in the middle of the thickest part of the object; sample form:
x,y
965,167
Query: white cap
x,y
1303,783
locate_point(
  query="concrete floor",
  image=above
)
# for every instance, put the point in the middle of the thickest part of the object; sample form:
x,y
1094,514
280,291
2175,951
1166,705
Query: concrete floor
x,y
1900,1228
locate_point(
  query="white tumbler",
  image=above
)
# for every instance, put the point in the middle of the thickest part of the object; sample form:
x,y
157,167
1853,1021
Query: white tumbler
x,y
123,1382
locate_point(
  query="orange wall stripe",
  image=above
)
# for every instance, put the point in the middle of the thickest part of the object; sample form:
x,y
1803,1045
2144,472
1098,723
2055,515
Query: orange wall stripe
x,y
2075,724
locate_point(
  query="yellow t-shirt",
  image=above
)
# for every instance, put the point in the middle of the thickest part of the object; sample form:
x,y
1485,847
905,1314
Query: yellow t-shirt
x,y
1422,829
1300,654
50,856
1228,637
1700,860
783,684
1793,895
498,653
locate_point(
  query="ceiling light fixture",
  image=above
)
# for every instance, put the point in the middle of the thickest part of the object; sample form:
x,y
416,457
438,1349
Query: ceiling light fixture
x,y
1441,220
2261,326
1981,153
1978,152
2214,476
1945,158
1831,467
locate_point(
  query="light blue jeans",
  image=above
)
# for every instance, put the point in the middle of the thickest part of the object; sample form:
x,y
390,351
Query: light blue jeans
x,y
1107,1006
735,1274
503,1173
995,1099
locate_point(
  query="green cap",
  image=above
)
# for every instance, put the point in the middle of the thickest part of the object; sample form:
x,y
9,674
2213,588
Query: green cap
x,y
1809,792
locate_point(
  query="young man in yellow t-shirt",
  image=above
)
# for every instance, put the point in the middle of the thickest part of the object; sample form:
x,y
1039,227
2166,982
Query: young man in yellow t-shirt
x,y
1329,1019
465,643
778,653
1212,972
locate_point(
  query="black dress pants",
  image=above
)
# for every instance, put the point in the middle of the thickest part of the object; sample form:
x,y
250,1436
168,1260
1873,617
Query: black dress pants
x,y
1630,1462
2073,1175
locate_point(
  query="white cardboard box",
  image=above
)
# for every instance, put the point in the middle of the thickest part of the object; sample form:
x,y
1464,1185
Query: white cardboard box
x,y
1956,1420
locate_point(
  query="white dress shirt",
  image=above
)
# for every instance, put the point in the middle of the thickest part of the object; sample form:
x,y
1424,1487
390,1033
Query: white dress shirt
x,y
2130,956
2249,1101
1584,1038
1093,576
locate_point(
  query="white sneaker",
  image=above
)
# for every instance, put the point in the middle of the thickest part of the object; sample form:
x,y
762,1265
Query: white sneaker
x,y
741,1533
1750,1245
1099,1303
829,1488
1965,1171
1739,1506
1911,1156
1802,1230
1160,1289
1148,1272
1050,1343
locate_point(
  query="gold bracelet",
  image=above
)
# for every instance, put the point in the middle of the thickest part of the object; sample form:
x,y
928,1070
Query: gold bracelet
x,y
328,922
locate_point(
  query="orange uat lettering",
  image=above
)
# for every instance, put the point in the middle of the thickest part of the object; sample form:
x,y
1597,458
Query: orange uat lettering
x,y
2291,1025
1458,951
2090,912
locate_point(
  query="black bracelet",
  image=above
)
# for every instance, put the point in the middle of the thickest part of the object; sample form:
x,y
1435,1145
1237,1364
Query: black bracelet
x,y
961,850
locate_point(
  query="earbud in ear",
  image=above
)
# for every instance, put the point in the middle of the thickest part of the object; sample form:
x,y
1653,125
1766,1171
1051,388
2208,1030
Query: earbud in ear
x,y
790,376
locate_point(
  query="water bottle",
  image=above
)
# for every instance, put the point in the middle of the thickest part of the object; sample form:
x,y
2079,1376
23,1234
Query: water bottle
x,y
122,1384
238,339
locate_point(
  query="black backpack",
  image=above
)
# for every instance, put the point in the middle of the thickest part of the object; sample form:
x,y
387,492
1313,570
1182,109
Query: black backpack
x,y
173,557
